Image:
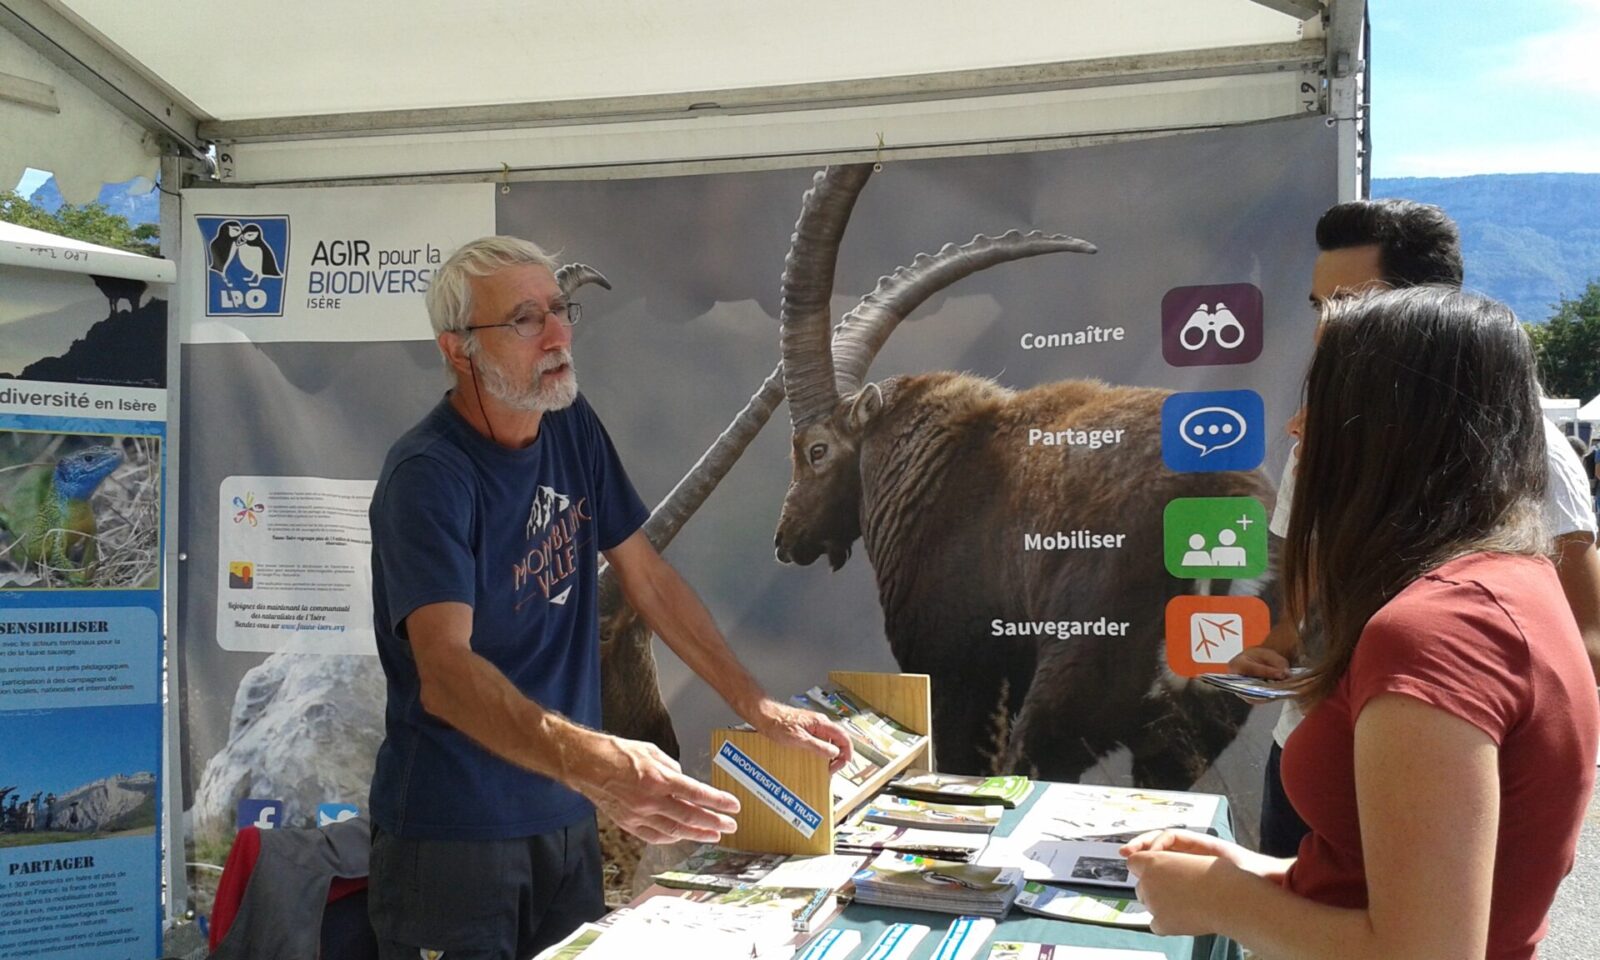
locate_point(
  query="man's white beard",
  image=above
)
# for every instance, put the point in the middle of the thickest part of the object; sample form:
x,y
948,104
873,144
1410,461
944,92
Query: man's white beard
x,y
537,393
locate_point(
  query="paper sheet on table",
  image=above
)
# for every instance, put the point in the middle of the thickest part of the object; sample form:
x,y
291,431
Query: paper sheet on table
x,y
1060,861
826,872
668,926
1076,811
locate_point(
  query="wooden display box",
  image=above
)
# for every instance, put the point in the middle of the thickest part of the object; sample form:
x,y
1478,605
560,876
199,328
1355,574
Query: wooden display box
x,y
903,697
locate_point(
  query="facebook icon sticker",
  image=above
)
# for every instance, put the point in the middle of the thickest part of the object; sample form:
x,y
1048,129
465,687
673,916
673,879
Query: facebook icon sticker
x,y
1213,431
265,814
245,262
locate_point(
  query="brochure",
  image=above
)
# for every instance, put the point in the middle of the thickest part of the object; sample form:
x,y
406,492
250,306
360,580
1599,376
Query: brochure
x,y
1047,901
1253,687
1060,861
829,871
1008,791
673,926
964,939
1023,950
808,909
1077,811
877,837
898,942
905,812
911,882
711,867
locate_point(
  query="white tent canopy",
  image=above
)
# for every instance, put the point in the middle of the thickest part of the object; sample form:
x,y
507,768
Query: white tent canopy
x,y
294,91
1589,412
35,249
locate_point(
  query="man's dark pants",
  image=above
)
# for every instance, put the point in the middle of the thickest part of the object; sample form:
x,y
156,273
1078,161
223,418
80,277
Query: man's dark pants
x,y
1281,828
483,899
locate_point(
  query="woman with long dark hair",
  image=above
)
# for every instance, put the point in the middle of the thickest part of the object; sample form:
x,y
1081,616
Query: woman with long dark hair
x,y
1447,755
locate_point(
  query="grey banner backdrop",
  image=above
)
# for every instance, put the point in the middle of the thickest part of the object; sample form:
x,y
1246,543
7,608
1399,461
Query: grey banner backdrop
x,y
677,348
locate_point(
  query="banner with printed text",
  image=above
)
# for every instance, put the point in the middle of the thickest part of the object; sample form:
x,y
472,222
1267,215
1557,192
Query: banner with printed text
x,y
83,408
1083,533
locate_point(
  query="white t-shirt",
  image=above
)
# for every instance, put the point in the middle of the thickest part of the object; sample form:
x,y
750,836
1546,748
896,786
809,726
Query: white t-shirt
x,y
1567,509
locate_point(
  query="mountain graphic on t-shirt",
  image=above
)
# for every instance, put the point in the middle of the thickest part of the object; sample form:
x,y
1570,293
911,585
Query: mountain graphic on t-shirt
x,y
547,504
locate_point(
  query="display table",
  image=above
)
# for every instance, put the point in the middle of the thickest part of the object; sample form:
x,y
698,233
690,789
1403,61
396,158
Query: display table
x,y
872,921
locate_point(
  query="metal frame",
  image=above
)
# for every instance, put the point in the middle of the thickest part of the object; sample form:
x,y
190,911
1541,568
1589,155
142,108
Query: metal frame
x,y
1345,71
147,102
1299,9
176,898
999,81
29,93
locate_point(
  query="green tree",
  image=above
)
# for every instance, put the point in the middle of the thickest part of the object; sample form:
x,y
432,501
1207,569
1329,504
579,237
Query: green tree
x,y
92,223
1568,346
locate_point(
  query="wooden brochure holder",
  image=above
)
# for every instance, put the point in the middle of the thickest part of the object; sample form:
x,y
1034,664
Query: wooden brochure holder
x,y
903,697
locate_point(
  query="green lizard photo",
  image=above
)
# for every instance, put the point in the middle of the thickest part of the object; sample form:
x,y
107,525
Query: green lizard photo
x,y
79,511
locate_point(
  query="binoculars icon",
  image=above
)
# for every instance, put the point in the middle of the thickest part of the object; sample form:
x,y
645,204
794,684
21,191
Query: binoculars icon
x,y
1206,323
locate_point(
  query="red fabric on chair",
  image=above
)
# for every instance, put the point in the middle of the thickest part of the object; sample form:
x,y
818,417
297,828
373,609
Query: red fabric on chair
x,y
235,880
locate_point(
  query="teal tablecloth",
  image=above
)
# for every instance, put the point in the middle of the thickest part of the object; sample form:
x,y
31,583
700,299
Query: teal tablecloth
x,y
872,921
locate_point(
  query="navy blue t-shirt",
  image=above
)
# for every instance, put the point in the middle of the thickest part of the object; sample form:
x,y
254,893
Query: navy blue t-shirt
x,y
516,535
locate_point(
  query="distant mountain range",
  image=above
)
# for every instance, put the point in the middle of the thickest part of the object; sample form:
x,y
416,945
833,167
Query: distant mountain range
x,y
1529,238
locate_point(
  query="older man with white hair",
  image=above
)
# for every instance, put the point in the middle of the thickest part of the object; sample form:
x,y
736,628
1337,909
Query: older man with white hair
x,y
487,524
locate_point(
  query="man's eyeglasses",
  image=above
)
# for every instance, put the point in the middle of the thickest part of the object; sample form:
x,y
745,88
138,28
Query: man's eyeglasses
x,y
531,323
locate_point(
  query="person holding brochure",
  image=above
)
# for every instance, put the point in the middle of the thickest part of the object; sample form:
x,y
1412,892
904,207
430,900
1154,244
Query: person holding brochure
x,y
488,520
1447,754
1372,245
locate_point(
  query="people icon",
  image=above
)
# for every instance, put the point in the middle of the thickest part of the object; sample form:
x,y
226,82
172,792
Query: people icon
x,y
1197,555
1227,553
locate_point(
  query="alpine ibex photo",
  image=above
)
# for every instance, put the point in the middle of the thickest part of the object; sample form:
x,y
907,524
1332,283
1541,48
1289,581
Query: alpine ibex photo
x,y
936,475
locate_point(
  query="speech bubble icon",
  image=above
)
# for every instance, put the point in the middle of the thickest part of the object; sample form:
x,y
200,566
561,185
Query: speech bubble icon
x,y
1210,429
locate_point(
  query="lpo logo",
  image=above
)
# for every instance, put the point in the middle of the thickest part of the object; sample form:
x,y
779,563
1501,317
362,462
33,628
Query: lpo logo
x,y
245,262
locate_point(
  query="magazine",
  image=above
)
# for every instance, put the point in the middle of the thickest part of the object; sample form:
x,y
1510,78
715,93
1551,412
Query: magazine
x,y
911,882
905,812
1008,791
1061,904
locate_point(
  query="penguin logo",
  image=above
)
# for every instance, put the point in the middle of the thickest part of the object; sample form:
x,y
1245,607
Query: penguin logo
x,y
221,248
245,262
251,251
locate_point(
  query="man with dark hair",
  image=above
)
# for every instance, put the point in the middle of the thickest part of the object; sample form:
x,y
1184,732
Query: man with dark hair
x,y
1402,243
1367,246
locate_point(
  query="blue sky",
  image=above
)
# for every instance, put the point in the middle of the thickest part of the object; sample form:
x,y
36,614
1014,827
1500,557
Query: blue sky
x,y
1470,86
61,750
1485,86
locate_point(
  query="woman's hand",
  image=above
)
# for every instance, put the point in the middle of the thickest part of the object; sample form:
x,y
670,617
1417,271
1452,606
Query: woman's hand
x,y
1182,891
1205,845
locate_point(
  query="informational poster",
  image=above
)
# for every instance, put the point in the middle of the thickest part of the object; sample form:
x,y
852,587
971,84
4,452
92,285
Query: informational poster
x,y
1189,323
294,562
82,482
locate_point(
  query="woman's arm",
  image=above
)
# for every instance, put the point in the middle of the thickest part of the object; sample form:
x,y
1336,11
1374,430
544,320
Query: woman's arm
x,y
1428,793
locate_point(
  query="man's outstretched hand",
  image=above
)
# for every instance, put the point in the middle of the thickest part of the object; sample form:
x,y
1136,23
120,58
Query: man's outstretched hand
x,y
645,792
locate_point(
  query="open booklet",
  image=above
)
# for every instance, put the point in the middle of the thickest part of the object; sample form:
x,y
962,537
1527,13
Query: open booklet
x,y
1074,832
